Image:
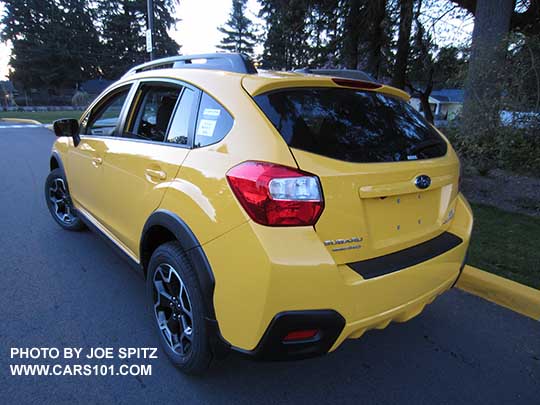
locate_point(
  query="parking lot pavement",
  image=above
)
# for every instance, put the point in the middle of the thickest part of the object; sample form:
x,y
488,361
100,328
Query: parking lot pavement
x,y
61,289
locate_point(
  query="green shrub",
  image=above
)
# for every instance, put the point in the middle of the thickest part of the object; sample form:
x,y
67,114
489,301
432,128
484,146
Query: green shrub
x,y
509,148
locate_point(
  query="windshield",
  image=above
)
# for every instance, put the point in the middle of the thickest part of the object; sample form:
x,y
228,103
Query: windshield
x,y
351,125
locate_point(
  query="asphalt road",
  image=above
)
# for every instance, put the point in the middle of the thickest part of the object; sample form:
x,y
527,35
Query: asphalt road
x,y
62,289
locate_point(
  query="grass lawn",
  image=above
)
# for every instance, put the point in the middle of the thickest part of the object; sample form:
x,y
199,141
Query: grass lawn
x,y
506,244
45,117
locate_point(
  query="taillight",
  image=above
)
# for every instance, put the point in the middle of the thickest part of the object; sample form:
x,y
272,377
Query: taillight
x,y
276,195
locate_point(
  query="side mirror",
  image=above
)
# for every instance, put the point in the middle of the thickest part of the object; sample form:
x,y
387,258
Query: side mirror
x,y
67,127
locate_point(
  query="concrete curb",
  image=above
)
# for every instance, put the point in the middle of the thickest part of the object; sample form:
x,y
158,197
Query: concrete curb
x,y
509,294
21,120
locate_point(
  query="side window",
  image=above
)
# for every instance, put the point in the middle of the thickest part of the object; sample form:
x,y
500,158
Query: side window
x,y
153,112
179,130
213,122
104,118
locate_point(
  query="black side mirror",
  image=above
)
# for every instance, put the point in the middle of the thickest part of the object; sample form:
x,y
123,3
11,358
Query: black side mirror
x,y
67,127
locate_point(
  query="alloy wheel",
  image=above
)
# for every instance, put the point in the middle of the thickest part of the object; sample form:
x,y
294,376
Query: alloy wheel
x,y
172,309
61,202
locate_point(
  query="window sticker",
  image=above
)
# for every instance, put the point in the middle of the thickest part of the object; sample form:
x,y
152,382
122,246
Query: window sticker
x,y
212,112
206,128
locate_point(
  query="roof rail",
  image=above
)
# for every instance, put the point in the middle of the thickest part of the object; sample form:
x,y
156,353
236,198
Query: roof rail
x,y
230,62
345,73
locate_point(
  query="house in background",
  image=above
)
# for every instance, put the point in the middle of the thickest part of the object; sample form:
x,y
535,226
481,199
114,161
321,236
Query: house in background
x,y
446,104
7,94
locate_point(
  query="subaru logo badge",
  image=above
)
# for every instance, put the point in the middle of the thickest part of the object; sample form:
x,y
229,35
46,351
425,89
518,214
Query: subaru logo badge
x,y
422,182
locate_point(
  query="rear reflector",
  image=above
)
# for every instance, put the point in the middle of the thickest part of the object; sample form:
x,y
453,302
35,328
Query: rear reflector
x,y
276,195
300,335
358,84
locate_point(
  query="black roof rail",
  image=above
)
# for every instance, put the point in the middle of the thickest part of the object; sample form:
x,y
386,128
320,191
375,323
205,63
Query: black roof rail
x,y
344,73
230,62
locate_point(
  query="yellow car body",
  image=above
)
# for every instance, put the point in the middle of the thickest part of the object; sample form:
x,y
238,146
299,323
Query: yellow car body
x,y
259,272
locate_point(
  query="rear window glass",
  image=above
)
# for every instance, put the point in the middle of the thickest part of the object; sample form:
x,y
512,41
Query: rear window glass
x,y
213,122
351,125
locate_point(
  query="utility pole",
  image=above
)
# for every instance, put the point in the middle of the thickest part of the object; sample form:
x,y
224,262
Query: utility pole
x,y
150,29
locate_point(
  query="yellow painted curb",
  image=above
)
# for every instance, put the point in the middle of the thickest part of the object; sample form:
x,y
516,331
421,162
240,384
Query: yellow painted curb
x,y
21,120
509,294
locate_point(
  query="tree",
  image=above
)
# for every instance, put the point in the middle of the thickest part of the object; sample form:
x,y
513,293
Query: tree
x,y
378,38
123,33
403,44
41,56
239,31
482,88
525,17
324,33
365,35
287,39
421,68
450,67
429,66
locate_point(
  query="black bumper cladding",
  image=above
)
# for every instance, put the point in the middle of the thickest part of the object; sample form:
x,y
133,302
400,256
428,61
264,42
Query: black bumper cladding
x,y
272,346
392,262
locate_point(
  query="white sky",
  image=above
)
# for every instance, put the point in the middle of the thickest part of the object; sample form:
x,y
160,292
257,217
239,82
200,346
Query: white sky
x,y
197,31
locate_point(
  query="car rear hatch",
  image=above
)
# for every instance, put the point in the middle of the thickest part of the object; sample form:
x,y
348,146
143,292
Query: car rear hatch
x,y
389,179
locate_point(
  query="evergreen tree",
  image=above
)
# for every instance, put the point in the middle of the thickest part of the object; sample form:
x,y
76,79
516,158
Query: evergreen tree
x,y
239,31
286,45
324,32
123,37
367,26
327,33
55,43
124,25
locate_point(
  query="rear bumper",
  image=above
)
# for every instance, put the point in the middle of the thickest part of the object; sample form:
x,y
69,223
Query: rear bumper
x,y
272,346
283,276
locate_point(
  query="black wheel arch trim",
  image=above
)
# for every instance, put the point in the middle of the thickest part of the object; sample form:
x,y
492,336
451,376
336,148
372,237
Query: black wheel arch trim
x,y
191,245
56,156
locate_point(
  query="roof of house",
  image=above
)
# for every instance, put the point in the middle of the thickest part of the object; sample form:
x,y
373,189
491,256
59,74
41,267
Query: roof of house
x,y
448,95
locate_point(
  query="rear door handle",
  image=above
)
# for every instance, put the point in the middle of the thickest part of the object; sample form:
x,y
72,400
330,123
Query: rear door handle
x,y
97,161
156,174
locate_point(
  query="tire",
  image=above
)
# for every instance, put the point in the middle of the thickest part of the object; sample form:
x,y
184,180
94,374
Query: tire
x,y
178,312
59,202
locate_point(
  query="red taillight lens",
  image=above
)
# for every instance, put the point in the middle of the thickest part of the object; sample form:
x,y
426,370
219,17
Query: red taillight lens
x,y
276,195
300,335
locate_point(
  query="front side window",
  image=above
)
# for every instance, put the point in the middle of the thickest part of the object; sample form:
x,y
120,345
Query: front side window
x,y
104,118
153,112
213,122
351,125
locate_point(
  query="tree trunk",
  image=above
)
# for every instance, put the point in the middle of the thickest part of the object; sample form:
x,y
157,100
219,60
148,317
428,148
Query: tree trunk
x,y
351,35
377,37
426,108
483,85
403,45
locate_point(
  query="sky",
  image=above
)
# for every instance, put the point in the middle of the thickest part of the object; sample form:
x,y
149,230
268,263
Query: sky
x,y
197,31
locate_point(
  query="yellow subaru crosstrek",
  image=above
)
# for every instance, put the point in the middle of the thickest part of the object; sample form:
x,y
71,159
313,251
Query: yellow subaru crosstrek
x,y
275,214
